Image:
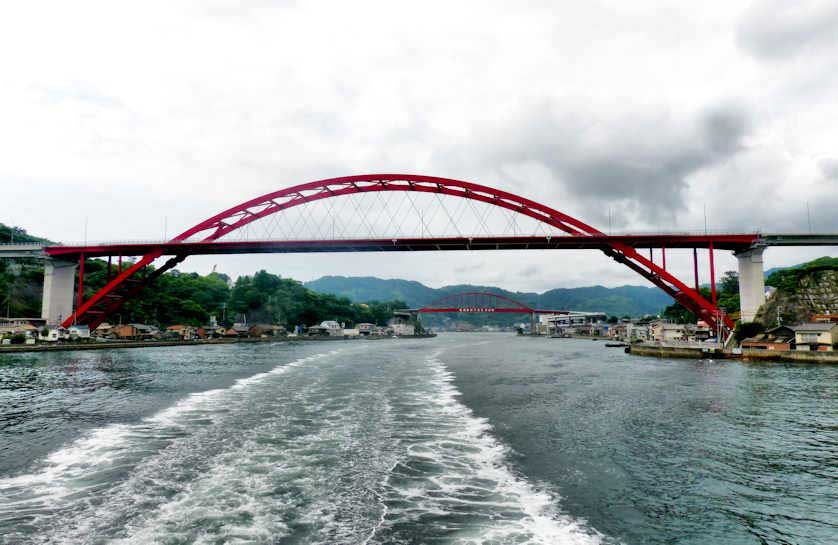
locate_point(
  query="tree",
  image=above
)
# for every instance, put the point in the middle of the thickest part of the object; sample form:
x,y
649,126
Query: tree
x,y
748,329
729,282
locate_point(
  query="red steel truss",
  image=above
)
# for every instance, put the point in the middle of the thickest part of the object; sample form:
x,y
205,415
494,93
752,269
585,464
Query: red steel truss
x,y
129,281
482,302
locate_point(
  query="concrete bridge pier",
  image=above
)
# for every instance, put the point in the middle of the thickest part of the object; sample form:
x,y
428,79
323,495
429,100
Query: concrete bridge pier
x,y
751,282
59,281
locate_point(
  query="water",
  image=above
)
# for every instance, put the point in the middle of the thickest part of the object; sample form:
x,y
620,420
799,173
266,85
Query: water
x,y
465,438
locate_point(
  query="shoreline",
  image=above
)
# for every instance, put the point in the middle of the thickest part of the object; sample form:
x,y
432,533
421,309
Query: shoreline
x,y
66,347
754,356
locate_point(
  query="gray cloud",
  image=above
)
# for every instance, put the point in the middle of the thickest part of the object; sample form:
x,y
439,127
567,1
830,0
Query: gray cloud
x,y
829,167
777,29
640,162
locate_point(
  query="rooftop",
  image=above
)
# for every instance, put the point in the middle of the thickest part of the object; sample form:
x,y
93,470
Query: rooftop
x,y
817,326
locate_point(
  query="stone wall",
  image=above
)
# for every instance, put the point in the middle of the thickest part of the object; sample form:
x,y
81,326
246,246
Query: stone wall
x,y
817,293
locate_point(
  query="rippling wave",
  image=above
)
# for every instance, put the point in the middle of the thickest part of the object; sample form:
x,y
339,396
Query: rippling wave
x,y
362,445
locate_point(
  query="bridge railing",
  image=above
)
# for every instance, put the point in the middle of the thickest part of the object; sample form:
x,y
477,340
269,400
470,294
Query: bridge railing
x,y
412,236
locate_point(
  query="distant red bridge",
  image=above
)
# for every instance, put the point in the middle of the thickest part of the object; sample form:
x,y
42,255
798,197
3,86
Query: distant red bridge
x,y
481,302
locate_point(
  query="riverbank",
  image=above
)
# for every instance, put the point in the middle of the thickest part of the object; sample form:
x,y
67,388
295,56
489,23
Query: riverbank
x,y
62,347
767,356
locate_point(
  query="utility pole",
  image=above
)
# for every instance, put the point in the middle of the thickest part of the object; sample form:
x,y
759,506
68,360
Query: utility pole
x,y
808,216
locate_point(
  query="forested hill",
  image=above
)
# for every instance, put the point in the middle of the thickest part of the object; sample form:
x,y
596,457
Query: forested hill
x,y
620,301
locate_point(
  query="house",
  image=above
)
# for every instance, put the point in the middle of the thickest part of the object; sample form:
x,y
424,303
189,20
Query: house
x,y
664,331
14,326
134,332
185,332
79,332
211,331
778,338
53,334
104,330
820,336
238,330
574,322
327,328
637,331
365,329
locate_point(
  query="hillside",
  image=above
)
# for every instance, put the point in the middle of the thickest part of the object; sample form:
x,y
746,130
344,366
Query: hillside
x,y
620,301
802,290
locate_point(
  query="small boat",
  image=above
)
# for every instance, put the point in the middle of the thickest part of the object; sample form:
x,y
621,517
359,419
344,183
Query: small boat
x,y
615,345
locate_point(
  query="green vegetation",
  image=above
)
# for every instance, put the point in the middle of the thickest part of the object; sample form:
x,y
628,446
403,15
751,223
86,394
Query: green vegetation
x,y
788,280
271,298
747,330
10,235
191,298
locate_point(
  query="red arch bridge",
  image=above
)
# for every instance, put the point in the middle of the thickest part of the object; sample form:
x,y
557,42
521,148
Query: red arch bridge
x,y
395,212
484,303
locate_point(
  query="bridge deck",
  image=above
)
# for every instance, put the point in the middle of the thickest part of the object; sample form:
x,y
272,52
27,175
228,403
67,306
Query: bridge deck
x,y
721,242
732,242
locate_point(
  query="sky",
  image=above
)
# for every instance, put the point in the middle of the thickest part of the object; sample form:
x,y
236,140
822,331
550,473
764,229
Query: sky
x,y
133,121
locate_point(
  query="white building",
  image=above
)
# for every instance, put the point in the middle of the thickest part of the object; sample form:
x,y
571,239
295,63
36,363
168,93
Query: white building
x,y
79,332
570,322
332,327
664,331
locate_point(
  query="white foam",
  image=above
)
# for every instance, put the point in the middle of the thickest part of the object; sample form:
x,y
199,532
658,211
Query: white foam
x,y
471,457
102,448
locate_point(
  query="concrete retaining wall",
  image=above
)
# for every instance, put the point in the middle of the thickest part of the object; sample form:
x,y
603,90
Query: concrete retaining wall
x,y
676,352
802,356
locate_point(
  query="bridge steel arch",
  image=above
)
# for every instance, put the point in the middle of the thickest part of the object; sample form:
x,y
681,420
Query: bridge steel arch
x,y
130,281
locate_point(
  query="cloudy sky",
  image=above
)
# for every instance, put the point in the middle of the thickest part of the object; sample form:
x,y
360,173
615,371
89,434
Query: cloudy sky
x,y
143,118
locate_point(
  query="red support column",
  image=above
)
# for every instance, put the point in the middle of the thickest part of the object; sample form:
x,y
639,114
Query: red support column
x,y
651,255
119,267
712,274
663,256
80,296
110,270
695,267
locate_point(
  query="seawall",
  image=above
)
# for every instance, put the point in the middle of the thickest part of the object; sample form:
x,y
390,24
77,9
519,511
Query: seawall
x,y
677,352
61,347
799,356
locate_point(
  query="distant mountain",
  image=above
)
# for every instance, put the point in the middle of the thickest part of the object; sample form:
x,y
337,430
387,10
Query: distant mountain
x,y
620,301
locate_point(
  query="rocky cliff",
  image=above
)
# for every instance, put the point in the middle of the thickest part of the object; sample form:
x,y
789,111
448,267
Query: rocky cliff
x,y
801,292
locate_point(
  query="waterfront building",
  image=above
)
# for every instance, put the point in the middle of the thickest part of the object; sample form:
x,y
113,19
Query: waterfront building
x,y
184,332
664,331
14,326
327,328
574,322
78,332
366,329
778,338
820,336
134,332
